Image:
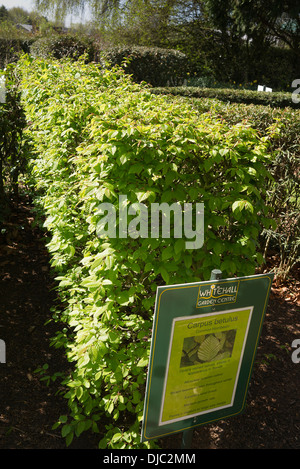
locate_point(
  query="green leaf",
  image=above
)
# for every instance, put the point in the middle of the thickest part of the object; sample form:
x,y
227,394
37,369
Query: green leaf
x,y
80,427
208,164
70,251
143,362
66,429
136,397
188,260
143,195
171,175
237,205
164,274
217,248
69,438
136,168
240,205
117,437
167,253
179,246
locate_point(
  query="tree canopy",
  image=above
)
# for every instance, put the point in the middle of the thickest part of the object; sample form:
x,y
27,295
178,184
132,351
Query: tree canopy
x,y
255,18
275,19
3,13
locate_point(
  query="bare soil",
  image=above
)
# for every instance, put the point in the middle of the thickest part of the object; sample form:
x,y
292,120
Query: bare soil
x,y
29,407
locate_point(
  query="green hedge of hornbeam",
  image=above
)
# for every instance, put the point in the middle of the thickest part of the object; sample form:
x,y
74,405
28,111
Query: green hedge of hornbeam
x,y
97,136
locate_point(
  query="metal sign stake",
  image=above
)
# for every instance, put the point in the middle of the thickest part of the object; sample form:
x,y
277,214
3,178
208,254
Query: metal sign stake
x,y
187,435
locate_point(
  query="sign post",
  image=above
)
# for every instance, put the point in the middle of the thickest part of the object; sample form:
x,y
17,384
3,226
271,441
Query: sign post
x,y
204,341
187,435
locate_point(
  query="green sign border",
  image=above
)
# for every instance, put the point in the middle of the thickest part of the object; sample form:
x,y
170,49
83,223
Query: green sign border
x,y
178,301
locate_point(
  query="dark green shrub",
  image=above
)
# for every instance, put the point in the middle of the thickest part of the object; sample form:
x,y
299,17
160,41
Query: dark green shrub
x,y
62,46
233,60
154,65
277,69
11,48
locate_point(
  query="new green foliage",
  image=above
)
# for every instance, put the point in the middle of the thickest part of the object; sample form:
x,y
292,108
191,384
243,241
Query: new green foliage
x,y
282,191
97,136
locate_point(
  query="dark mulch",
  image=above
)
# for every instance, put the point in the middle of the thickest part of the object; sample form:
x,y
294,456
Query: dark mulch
x,y
29,408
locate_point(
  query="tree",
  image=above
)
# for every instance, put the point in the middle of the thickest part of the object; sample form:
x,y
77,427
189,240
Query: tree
x,y
275,19
60,8
259,24
19,15
143,22
281,19
3,13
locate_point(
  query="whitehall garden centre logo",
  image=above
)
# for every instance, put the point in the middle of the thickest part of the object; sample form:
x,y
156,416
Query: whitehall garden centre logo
x,y
216,294
159,220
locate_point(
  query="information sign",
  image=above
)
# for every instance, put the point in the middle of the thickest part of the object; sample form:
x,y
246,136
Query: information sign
x,y
204,341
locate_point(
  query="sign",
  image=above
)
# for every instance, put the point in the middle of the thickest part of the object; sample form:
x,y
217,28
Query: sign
x,y
264,88
204,341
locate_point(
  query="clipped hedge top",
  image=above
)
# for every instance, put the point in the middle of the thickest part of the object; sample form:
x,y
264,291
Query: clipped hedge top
x,y
274,99
143,51
62,46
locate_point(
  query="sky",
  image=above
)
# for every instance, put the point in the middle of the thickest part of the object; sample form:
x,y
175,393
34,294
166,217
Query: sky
x,y
29,6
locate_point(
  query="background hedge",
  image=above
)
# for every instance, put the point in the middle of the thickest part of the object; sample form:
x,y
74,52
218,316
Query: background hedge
x,y
11,48
59,46
154,65
273,99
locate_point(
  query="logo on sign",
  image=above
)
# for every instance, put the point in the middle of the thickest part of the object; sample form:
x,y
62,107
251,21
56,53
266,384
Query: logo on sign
x,y
217,294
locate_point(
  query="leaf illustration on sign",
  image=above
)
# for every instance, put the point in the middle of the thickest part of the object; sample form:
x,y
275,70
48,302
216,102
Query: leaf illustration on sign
x,y
209,348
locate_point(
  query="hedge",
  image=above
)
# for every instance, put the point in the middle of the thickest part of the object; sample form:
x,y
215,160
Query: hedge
x,y
283,190
274,99
11,48
59,46
96,136
153,65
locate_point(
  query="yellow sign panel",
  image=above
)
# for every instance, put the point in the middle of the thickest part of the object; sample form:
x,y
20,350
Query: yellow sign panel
x,y
203,365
